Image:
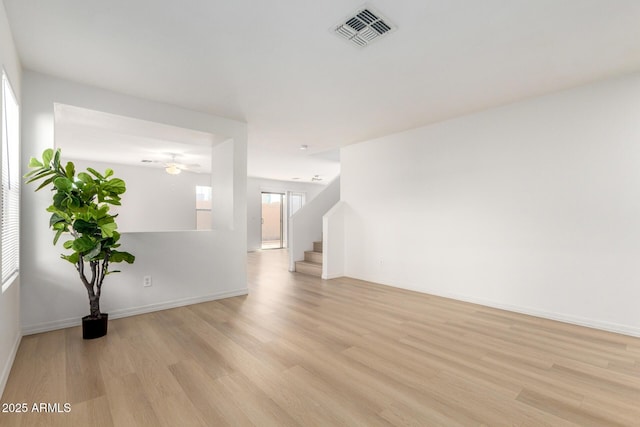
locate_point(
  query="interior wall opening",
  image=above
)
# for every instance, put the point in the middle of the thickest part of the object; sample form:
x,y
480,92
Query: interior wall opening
x,y
171,182
273,230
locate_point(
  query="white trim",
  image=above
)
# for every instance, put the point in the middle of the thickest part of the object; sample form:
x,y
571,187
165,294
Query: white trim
x,y
566,318
133,311
560,317
6,370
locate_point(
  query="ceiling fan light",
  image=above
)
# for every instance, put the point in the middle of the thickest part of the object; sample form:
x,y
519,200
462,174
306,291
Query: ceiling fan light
x,y
172,170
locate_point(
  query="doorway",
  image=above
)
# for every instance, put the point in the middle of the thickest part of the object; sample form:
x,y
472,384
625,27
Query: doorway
x,y
273,220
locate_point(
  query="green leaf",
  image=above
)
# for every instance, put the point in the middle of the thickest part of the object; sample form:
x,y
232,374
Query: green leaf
x,y
108,173
117,256
108,229
85,177
35,163
88,191
74,201
58,198
94,252
83,244
73,258
107,219
57,236
55,210
40,174
56,159
55,218
85,227
45,183
102,212
63,183
95,173
68,244
44,171
60,226
70,169
47,155
30,173
115,186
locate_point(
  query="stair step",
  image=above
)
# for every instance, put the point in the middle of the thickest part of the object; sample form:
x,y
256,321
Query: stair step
x,y
311,268
313,256
317,246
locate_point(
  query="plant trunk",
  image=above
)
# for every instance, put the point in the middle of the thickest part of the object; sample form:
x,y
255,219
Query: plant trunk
x,y
94,307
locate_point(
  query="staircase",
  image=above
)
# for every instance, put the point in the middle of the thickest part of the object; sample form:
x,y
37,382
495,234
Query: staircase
x,y
312,263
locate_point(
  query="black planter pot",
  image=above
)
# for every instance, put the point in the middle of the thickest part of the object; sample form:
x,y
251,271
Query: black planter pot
x,y
94,328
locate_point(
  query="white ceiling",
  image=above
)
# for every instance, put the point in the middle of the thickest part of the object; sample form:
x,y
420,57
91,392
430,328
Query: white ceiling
x,y
278,66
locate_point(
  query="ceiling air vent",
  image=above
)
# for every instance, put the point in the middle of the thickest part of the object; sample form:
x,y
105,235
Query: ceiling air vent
x,y
364,27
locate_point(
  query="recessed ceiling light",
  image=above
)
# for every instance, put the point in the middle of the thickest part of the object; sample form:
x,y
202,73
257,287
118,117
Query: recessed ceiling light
x,y
304,147
296,178
146,161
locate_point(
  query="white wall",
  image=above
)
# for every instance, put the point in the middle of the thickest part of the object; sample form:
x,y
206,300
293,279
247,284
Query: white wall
x,y
333,246
185,267
533,207
155,200
255,187
10,299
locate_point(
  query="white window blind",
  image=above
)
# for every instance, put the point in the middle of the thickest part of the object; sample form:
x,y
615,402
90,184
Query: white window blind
x,y
9,222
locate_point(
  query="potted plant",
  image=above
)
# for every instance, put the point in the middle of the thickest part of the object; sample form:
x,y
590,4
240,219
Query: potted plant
x,y
80,210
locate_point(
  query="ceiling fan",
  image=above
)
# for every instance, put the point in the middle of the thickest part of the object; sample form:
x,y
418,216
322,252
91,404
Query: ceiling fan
x,y
173,167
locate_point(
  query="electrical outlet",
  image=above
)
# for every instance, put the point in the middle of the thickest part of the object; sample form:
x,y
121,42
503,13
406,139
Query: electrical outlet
x,y
146,281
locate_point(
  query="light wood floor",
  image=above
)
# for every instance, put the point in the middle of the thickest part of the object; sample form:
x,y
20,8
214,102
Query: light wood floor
x,y
301,351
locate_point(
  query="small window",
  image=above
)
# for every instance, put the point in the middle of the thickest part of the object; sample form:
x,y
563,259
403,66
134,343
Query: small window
x,y
9,222
203,207
296,200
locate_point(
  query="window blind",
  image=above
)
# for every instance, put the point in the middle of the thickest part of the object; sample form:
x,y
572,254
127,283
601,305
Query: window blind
x,y
9,222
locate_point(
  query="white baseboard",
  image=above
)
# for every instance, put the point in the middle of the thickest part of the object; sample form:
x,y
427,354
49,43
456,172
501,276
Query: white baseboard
x,y
561,317
6,369
133,311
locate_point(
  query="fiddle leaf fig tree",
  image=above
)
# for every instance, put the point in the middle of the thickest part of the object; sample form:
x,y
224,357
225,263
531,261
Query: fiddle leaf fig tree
x,y
80,210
